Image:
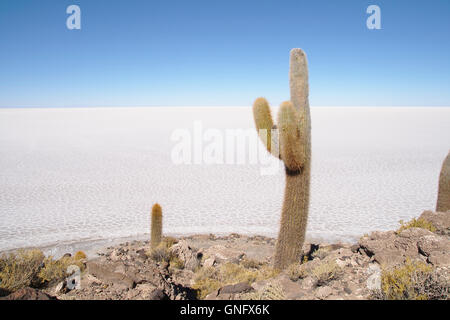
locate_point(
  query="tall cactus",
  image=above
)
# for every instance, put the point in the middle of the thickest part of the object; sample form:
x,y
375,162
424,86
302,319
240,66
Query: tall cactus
x,y
294,130
156,226
443,201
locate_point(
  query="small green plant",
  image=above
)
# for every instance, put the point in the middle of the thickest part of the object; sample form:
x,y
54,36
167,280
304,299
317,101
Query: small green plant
x,y
412,281
325,272
419,223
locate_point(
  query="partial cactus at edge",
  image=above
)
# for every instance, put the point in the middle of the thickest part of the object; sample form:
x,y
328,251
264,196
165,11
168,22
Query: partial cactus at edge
x,y
294,131
443,200
156,226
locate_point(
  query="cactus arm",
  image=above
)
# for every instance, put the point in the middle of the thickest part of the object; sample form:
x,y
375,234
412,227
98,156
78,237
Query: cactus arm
x,y
264,125
291,149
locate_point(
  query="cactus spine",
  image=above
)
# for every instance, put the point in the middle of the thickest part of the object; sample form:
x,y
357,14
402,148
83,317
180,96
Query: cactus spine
x,y
443,200
156,226
294,131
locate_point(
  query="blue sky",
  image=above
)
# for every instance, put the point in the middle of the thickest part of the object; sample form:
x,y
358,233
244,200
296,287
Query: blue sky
x,y
222,53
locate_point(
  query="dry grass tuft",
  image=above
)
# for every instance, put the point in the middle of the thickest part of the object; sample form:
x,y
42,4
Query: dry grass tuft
x,y
176,263
169,241
212,278
80,255
412,281
30,268
20,269
325,272
296,271
161,254
416,223
320,253
56,270
251,263
271,291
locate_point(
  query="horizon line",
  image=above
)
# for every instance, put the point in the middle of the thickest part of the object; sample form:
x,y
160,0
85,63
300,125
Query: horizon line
x,y
218,106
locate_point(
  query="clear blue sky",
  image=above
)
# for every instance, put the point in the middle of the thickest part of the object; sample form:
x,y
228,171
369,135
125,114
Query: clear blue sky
x,y
222,53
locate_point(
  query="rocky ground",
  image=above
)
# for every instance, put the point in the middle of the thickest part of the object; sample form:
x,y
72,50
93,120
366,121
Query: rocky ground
x,y
238,267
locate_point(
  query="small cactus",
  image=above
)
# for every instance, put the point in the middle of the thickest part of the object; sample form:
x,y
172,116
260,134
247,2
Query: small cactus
x,y
294,131
443,200
156,226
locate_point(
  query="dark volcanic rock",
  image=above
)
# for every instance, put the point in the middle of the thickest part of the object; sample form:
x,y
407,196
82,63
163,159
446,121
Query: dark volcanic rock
x,y
158,294
4,292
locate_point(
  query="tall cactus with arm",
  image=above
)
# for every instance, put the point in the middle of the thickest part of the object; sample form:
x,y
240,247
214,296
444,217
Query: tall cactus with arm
x,y
294,131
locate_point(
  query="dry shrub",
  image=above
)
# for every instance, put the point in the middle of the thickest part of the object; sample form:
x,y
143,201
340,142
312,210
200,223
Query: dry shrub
x,y
416,223
412,281
296,271
161,253
320,253
271,291
325,272
209,279
56,270
169,241
20,269
176,263
80,255
30,268
251,263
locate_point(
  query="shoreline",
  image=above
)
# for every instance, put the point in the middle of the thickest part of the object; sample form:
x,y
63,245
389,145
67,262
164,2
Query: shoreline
x,y
94,246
